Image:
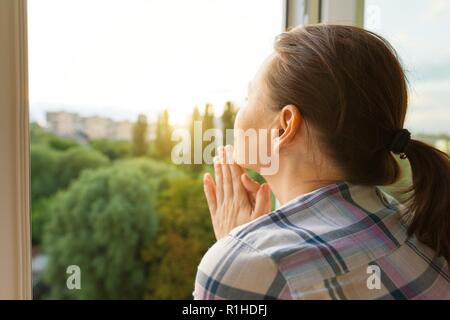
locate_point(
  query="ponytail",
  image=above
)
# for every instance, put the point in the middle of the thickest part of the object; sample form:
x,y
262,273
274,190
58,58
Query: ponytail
x,y
428,203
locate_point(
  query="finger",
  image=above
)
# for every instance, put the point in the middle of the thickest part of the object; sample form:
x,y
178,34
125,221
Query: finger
x,y
219,180
249,184
226,174
210,193
236,171
262,204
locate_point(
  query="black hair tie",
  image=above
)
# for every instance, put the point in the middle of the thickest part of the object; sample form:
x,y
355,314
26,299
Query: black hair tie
x,y
400,142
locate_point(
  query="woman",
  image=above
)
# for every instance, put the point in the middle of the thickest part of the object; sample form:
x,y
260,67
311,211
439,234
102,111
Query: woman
x,y
337,96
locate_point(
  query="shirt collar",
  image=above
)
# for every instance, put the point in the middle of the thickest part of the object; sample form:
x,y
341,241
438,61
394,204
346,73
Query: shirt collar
x,y
316,194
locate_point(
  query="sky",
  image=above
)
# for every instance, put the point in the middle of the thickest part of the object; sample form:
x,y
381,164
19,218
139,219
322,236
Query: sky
x,y
420,32
118,58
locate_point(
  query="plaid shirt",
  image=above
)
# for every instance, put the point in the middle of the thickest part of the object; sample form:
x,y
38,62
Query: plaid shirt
x,y
341,241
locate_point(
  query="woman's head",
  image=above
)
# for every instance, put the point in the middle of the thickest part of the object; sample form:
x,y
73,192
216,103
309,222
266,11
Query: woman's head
x,y
342,91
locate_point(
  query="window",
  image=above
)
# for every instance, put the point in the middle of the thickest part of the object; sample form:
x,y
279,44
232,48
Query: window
x,y
418,30
102,73
119,58
112,217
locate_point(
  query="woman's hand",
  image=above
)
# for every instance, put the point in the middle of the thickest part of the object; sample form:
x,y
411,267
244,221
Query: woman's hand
x,y
234,199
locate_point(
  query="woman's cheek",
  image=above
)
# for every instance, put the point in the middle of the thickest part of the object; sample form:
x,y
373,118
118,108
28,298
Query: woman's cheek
x,y
245,143
239,150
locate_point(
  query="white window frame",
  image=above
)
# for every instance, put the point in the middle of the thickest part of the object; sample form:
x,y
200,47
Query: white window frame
x,y
349,12
15,222
301,12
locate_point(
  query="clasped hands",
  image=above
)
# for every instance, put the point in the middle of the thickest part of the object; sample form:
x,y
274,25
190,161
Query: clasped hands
x,y
233,198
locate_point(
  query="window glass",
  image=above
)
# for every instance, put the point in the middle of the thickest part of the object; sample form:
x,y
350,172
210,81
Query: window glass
x,y
110,81
419,32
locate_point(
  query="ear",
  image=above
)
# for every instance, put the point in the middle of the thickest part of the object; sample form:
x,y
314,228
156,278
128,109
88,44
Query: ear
x,y
289,123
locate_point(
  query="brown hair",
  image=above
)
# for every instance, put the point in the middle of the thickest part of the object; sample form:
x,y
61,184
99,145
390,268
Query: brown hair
x,y
349,85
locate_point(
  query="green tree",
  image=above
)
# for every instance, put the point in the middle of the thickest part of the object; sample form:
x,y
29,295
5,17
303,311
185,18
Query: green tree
x,y
62,144
44,183
40,216
207,122
228,117
38,134
140,136
102,223
196,144
163,139
44,171
185,234
51,171
113,149
76,160
208,117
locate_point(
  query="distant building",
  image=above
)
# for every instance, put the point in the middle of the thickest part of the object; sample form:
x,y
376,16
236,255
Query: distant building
x,y
97,127
64,124
122,130
71,125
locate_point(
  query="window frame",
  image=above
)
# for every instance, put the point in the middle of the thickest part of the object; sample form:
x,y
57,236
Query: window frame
x,y
349,12
15,214
15,226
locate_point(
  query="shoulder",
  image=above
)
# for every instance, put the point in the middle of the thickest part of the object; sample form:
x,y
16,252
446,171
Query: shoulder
x,y
233,269
294,249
